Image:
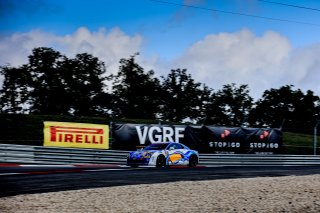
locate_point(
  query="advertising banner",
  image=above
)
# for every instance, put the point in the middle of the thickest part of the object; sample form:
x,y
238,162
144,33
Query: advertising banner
x,y
263,140
205,139
242,140
131,136
80,135
224,139
193,138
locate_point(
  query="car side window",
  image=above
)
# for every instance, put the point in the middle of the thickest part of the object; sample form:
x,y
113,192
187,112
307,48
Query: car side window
x,y
171,147
178,146
175,146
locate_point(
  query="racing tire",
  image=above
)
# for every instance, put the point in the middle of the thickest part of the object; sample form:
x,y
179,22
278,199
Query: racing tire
x,y
134,166
161,161
193,161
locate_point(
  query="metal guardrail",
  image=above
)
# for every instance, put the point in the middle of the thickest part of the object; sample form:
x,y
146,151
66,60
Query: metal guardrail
x,y
258,160
10,153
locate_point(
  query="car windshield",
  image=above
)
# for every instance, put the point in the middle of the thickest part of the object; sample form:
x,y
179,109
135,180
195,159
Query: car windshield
x,y
156,146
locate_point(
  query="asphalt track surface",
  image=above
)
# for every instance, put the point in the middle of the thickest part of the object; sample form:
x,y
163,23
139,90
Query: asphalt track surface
x,y
15,180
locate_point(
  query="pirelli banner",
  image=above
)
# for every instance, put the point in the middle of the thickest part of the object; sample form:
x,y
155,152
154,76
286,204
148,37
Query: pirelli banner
x,y
81,135
205,139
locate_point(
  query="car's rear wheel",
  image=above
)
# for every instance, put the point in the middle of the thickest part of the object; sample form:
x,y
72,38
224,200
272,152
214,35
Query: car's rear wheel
x,y
161,161
193,161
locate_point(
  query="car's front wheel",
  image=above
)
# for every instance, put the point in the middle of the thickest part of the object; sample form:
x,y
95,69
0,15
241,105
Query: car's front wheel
x,y
193,161
161,161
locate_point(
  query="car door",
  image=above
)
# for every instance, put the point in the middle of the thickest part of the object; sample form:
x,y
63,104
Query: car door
x,y
175,154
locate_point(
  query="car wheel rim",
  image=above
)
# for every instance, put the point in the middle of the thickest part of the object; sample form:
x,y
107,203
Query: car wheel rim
x,y
161,161
192,161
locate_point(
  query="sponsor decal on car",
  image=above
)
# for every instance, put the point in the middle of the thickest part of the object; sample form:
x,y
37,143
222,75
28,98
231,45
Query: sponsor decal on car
x,y
163,154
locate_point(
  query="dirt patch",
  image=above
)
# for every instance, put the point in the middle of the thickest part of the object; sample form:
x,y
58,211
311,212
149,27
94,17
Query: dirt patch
x,y
267,194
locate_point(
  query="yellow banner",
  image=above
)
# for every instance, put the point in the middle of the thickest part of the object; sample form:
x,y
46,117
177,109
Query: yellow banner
x,y
80,135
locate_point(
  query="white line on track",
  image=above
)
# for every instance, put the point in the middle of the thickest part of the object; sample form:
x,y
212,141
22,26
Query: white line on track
x,y
49,165
98,170
4,174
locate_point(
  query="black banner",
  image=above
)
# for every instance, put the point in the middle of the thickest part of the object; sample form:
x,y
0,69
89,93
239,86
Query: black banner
x,y
263,140
193,138
130,136
224,139
205,139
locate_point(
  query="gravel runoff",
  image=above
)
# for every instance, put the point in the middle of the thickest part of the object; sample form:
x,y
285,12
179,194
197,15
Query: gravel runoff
x,y
265,194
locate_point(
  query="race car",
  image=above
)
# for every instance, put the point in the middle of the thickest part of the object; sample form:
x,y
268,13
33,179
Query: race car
x,y
163,154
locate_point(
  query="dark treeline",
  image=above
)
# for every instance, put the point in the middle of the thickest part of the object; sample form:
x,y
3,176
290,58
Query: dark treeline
x,y
52,84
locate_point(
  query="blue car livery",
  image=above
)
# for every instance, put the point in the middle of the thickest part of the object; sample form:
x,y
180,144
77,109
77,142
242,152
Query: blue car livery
x,y
163,154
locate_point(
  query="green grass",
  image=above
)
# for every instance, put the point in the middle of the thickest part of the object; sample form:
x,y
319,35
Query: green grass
x,y
300,144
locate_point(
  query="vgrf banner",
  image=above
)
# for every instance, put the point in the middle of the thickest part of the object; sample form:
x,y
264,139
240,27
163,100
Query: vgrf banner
x,y
81,135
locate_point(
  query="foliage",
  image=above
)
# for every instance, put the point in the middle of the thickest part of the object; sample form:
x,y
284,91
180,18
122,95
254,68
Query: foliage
x,y
14,92
230,106
182,97
135,93
85,85
296,109
47,84
52,84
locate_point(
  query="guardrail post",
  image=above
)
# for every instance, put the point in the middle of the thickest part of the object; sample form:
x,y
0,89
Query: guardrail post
x,y
315,139
110,135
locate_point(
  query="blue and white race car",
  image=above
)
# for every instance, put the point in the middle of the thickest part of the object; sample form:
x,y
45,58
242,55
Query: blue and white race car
x,y
163,154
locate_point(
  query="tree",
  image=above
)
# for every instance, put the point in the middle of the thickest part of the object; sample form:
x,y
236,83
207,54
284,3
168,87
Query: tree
x,y
55,85
182,97
135,93
204,101
297,109
85,83
305,113
47,86
14,92
229,106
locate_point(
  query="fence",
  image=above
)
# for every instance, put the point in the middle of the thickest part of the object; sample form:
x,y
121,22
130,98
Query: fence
x,y
52,155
